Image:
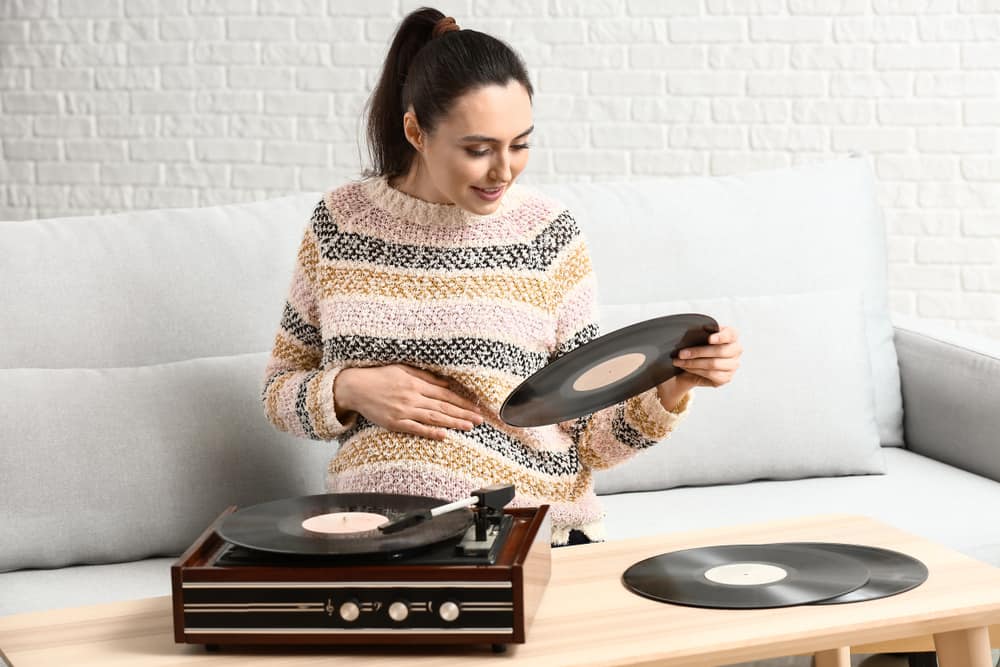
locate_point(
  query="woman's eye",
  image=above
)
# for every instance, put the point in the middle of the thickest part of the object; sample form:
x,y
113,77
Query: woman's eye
x,y
521,147
476,153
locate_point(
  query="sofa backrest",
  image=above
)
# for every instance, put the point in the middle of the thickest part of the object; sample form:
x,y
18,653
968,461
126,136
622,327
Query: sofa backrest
x,y
148,287
132,347
132,351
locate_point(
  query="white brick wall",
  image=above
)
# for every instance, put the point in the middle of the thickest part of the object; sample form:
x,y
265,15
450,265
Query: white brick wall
x,y
111,105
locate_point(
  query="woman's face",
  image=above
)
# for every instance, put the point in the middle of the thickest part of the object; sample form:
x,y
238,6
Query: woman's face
x,y
476,152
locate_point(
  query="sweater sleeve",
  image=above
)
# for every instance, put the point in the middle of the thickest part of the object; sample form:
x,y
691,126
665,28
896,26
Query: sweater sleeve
x,y
298,390
614,434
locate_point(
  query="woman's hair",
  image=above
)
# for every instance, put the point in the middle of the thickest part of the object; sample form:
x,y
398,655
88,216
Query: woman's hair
x,y
430,64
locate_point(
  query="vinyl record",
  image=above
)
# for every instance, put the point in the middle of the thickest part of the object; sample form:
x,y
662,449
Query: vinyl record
x,y
891,572
745,576
607,370
277,526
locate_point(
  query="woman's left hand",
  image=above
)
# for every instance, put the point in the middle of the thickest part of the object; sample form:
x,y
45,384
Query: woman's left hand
x,y
711,365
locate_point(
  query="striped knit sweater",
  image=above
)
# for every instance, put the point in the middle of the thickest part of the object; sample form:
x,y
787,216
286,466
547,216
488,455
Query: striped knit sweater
x,y
485,301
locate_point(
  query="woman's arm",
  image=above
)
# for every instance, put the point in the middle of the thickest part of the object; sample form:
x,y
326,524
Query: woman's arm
x,y
616,433
298,393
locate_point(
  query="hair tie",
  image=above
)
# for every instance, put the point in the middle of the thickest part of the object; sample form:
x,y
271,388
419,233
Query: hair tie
x,y
444,24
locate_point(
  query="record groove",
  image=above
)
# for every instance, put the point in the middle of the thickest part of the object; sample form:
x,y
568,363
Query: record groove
x,y
892,572
791,575
276,526
606,370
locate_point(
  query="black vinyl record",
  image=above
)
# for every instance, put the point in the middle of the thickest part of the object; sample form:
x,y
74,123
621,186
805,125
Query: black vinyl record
x,y
276,526
745,576
607,370
891,572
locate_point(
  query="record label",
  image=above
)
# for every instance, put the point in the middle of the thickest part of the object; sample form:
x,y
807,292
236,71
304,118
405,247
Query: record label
x,y
746,574
610,371
344,522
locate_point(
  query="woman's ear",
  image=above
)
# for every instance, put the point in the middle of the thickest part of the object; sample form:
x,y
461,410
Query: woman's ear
x,y
411,128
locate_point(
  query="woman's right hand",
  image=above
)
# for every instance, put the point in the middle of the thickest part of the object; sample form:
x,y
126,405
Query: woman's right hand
x,y
405,399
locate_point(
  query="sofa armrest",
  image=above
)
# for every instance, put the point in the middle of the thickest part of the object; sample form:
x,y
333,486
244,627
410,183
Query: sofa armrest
x,y
951,394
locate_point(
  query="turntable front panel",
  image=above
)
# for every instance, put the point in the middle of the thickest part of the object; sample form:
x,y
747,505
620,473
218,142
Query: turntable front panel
x,y
349,607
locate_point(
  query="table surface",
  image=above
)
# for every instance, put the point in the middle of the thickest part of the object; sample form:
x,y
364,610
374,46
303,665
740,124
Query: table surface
x,y
586,617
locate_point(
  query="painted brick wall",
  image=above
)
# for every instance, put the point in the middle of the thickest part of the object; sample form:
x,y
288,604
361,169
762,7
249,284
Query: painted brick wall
x,y
111,105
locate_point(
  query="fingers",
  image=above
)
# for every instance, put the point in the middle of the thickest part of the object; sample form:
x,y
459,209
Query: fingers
x,y
724,335
425,375
708,363
442,418
418,429
448,402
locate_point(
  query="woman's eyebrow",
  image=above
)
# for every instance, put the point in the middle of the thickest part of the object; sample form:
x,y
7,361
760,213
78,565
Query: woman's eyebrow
x,y
483,139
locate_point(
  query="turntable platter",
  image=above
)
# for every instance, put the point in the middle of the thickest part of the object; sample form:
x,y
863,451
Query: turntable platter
x,y
294,525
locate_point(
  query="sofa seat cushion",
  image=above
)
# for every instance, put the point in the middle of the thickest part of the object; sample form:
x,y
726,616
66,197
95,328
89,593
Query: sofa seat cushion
x,y
34,590
917,494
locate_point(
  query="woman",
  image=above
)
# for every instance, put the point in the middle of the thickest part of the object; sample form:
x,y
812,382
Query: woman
x,y
425,293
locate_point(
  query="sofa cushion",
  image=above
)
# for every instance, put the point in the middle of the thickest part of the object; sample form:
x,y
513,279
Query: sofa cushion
x,y
801,404
800,229
35,590
917,494
901,498
105,465
148,287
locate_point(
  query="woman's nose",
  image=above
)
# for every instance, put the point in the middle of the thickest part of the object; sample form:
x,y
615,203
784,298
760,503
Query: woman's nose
x,y
500,172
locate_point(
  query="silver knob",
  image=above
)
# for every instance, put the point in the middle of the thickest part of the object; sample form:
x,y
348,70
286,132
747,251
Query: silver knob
x,y
449,611
398,611
349,611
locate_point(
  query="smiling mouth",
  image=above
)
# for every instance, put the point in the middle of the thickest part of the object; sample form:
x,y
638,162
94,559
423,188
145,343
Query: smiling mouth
x,y
490,191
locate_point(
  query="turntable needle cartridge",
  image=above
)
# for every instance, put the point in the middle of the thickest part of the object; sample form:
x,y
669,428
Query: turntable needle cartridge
x,y
419,516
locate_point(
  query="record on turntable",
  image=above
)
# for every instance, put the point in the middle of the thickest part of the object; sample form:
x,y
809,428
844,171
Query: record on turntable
x,y
746,576
607,370
891,572
340,524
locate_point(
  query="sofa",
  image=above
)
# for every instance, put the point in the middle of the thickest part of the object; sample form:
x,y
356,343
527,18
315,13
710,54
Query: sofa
x,y
132,349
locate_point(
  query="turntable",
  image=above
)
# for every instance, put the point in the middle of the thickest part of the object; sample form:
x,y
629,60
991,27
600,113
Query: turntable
x,y
336,569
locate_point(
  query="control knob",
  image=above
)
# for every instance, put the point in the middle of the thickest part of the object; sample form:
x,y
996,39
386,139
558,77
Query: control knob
x,y
449,611
349,611
398,611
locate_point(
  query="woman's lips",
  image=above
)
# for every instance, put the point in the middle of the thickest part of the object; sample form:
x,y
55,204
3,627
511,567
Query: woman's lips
x,y
489,194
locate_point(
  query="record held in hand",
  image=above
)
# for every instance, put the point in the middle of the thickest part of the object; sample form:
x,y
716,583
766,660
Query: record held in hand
x,y
607,370
309,524
891,572
745,576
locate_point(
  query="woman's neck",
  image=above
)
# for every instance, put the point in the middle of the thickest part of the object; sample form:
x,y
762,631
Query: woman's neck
x,y
417,183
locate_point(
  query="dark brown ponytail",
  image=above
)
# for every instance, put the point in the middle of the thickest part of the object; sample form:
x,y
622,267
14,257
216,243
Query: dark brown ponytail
x,y
430,63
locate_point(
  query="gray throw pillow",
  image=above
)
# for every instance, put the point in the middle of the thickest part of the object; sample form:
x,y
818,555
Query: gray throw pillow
x,y
801,404
117,464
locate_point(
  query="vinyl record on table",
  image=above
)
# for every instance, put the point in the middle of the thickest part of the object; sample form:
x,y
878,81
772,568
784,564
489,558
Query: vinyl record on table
x,y
609,369
276,526
745,576
891,572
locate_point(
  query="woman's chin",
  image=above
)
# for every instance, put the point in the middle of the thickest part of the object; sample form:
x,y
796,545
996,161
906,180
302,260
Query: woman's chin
x,y
477,206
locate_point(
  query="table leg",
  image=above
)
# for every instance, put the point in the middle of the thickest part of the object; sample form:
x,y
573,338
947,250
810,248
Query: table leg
x,y
838,657
964,648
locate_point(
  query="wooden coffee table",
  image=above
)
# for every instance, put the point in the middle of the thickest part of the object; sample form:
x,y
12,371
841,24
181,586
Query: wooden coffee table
x,y
588,618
